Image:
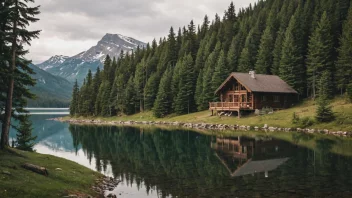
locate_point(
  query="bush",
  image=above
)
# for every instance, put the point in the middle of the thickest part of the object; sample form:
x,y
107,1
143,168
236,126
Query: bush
x,y
302,122
295,118
306,122
25,140
324,112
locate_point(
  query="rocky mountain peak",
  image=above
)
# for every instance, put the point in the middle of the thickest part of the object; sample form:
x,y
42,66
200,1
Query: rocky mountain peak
x,y
76,67
53,62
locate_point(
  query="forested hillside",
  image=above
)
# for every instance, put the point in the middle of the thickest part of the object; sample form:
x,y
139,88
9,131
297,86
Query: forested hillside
x,y
299,40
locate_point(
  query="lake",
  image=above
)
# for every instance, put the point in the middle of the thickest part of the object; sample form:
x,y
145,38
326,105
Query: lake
x,y
153,162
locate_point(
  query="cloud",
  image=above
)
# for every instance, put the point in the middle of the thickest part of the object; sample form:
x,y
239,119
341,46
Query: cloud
x,y
71,26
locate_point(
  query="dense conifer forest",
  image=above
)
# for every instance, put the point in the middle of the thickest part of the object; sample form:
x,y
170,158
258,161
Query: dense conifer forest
x,y
298,40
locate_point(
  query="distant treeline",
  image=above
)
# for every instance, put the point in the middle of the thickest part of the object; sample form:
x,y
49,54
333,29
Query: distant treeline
x,y
297,40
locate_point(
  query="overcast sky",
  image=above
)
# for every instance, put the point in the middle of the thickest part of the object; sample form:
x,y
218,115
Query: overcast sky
x,y
72,26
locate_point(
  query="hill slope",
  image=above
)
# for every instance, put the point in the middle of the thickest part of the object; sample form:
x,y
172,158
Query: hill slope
x,y
52,91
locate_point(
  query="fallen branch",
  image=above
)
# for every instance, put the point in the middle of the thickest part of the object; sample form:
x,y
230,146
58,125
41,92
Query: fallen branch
x,y
36,169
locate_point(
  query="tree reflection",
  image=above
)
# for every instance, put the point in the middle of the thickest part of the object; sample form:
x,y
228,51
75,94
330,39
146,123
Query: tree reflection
x,y
188,164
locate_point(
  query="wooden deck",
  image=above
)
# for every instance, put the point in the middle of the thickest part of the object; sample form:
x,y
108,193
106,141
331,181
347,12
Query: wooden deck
x,y
230,106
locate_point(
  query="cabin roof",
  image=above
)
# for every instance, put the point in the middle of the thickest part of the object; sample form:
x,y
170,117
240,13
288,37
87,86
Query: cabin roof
x,y
261,83
252,167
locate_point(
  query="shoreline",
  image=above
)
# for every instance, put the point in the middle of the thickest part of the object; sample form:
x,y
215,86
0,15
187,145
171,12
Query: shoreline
x,y
202,126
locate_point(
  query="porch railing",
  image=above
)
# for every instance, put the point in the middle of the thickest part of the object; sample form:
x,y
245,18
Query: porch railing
x,y
230,105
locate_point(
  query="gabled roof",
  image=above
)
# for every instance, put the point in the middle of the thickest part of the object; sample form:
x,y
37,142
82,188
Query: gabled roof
x,y
252,167
261,83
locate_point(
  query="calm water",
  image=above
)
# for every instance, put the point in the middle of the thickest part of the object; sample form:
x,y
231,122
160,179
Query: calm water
x,y
159,163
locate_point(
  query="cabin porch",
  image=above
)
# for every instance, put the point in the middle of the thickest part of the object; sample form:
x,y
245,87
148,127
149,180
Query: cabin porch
x,y
234,101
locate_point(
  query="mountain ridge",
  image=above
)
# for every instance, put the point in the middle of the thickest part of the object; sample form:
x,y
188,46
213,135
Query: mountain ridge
x,y
51,91
76,67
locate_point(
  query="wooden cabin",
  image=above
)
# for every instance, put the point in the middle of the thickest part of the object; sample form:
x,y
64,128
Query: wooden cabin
x,y
248,92
243,156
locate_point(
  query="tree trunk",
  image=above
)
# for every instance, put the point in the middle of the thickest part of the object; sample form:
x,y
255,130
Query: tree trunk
x,y
8,108
36,169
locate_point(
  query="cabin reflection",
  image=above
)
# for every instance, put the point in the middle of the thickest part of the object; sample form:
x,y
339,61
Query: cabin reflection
x,y
249,156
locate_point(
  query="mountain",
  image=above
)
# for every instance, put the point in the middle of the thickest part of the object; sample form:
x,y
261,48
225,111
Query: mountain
x,y
76,67
51,91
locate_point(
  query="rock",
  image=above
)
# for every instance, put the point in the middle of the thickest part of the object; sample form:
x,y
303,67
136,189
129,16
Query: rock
x,y
265,126
58,169
111,195
6,172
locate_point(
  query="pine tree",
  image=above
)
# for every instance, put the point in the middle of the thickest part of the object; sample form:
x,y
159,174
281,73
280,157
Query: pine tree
x,y
344,62
291,64
151,90
265,56
185,97
96,84
199,90
19,17
249,53
324,111
175,82
220,74
25,140
75,100
163,102
275,69
231,56
245,64
140,80
320,52
130,105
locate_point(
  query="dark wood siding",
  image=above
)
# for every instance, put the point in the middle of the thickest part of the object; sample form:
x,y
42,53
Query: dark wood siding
x,y
283,100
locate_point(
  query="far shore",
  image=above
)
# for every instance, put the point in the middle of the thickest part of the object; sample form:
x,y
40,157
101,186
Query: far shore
x,y
199,126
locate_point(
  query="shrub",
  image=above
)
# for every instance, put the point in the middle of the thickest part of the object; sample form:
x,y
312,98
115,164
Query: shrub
x,y
295,118
306,122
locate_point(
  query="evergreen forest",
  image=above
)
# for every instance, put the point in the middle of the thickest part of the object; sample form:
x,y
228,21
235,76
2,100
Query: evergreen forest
x,y
304,42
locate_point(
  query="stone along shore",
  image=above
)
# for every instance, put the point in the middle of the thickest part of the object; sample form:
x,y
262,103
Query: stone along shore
x,y
205,126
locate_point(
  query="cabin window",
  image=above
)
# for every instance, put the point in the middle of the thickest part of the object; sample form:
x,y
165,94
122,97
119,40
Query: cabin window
x,y
263,98
276,98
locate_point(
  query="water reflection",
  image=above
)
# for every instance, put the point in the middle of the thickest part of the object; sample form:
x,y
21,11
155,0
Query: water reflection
x,y
163,163
188,164
246,156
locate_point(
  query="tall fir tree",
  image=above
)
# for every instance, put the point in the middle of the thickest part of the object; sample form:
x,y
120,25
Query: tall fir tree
x,y
291,64
185,97
163,102
25,139
320,50
220,74
324,111
344,62
75,100
265,56
15,34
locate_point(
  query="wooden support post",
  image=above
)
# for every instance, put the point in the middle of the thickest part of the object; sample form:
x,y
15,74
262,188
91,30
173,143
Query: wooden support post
x,y
239,113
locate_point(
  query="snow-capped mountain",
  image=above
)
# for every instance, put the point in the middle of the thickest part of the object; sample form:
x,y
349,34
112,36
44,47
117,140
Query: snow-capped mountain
x,y
52,62
76,67
111,44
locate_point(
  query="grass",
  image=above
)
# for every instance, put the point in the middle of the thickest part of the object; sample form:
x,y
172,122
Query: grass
x,y
72,179
282,118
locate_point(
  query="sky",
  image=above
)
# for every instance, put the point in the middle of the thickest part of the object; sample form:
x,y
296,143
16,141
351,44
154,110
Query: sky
x,y
72,26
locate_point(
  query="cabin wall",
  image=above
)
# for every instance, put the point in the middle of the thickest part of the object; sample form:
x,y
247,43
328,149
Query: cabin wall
x,y
284,101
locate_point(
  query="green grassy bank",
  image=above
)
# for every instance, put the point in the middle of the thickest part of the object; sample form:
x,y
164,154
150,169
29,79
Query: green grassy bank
x,y
283,118
16,181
